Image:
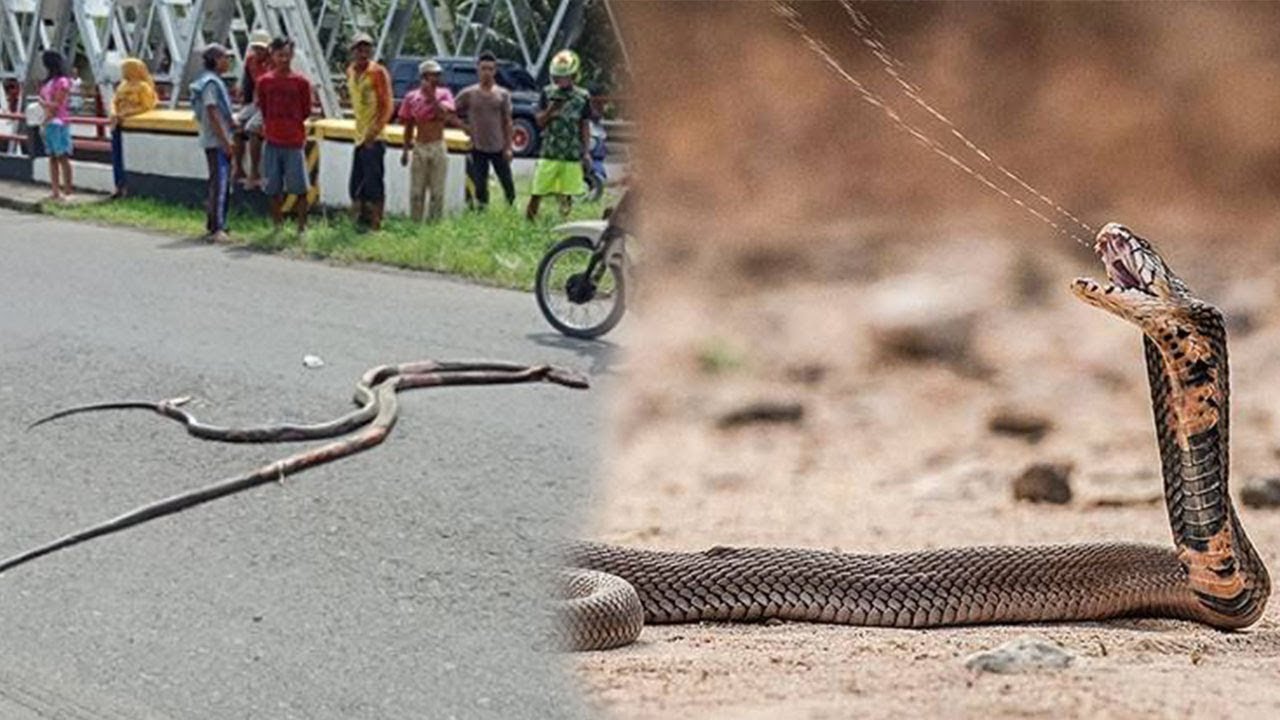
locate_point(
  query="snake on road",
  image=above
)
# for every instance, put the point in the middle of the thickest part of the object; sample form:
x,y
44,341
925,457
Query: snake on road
x,y
366,426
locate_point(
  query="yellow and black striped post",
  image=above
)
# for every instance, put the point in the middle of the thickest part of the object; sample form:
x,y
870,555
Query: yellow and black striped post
x,y
312,150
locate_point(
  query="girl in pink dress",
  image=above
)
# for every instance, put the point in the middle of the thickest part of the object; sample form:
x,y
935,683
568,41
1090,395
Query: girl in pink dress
x,y
55,97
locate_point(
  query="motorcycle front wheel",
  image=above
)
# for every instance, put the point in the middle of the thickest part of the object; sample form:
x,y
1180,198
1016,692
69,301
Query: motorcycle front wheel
x,y
574,304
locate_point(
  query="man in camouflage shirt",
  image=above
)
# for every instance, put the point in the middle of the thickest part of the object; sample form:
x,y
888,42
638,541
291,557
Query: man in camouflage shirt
x,y
563,114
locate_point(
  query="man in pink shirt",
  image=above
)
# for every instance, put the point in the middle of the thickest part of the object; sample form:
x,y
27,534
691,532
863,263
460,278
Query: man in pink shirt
x,y
424,112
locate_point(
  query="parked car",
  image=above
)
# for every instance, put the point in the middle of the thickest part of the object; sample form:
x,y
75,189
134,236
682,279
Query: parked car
x,y
459,72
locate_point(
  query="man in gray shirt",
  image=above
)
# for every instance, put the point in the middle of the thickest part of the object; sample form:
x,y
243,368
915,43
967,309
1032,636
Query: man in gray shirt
x,y
486,111
212,107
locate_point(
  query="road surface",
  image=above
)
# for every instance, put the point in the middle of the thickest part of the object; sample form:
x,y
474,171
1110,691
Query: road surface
x,y
399,583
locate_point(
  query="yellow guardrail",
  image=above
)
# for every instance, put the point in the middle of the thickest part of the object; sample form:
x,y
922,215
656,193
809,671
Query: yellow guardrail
x,y
177,121
345,129
184,121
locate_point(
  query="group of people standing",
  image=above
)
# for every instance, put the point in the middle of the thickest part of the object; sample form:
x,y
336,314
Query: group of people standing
x,y
482,109
272,127
271,130
135,94
273,122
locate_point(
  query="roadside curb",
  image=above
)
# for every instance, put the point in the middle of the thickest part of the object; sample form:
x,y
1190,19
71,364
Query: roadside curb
x,y
16,201
20,205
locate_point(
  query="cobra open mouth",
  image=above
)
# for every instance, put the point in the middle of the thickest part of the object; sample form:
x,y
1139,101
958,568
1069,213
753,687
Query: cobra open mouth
x,y
1118,250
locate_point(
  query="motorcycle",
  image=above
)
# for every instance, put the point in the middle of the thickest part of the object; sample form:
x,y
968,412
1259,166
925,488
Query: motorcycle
x,y
582,280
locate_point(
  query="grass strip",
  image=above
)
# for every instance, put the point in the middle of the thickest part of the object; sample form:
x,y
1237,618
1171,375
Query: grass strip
x,y
496,247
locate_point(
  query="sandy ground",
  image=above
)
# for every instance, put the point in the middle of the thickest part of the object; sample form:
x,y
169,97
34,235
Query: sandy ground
x,y
895,453
788,223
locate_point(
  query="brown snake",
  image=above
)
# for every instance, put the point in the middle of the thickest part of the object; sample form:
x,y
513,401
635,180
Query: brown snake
x,y
1211,575
371,422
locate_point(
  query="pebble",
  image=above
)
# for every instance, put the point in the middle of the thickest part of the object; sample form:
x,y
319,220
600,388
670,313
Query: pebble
x,y
1023,654
1010,421
1044,482
1261,492
763,411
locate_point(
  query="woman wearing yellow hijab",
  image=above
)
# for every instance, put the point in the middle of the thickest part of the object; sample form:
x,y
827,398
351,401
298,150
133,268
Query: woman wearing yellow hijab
x,y
135,95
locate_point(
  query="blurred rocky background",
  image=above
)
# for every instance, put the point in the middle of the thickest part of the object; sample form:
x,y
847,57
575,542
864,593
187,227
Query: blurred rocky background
x,y
1165,116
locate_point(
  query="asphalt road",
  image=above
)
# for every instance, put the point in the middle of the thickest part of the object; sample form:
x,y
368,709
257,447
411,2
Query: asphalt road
x,y
403,582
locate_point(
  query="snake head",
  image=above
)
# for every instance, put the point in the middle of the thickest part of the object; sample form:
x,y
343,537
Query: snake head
x,y
566,377
1140,284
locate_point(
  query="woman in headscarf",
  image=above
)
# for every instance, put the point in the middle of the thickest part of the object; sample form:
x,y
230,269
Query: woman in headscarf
x,y
135,95
55,98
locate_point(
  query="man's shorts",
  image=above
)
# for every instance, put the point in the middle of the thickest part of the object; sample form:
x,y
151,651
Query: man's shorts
x,y
368,169
558,177
250,119
57,140
284,169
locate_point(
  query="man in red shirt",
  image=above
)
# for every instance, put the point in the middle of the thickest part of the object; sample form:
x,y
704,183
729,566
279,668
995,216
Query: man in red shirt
x,y
285,99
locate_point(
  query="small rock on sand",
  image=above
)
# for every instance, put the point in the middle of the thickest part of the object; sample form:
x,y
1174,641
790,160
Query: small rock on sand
x,y
762,411
1261,492
1012,421
1021,655
1044,482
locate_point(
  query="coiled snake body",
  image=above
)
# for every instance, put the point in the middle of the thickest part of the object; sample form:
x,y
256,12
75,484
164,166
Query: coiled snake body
x,y
1211,575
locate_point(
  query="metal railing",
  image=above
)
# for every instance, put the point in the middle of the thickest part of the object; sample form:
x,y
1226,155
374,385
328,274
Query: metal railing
x,y
100,142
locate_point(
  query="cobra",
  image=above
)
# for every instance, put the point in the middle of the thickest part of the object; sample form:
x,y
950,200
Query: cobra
x,y
1212,574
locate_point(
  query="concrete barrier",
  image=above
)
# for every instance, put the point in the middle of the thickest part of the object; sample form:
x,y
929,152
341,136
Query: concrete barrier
x,y
163,160
337,144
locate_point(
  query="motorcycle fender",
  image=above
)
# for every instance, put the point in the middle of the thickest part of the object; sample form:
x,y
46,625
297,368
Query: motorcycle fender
x,y
590,229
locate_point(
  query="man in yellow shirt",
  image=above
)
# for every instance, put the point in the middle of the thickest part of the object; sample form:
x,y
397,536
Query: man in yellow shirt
x,y
369,86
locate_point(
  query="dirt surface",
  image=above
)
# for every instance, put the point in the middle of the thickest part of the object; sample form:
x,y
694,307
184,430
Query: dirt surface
x,y
882,309
896,454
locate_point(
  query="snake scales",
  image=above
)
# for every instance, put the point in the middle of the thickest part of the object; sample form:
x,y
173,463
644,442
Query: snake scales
x,y
366,426
1211,575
